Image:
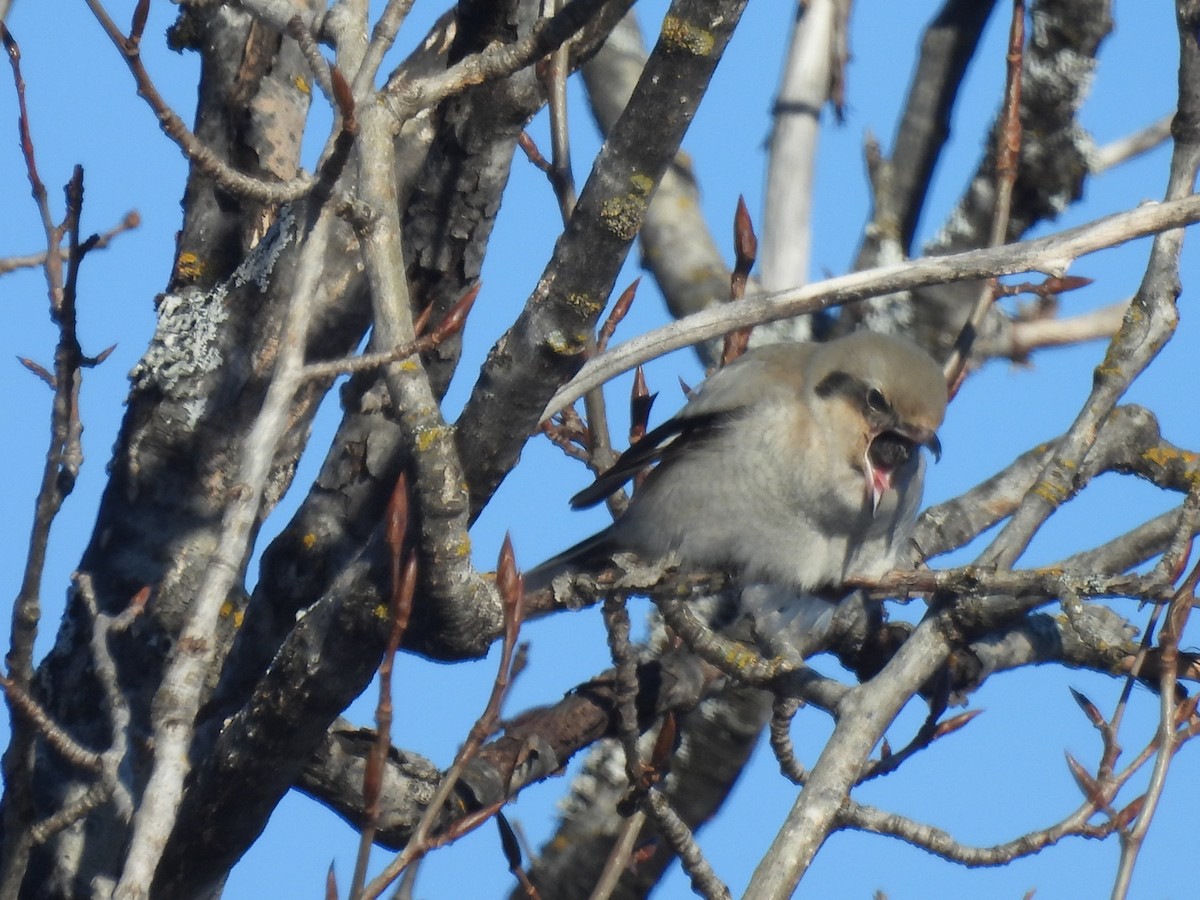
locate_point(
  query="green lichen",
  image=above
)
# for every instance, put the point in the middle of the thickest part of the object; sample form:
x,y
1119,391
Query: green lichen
x,y
686,37
566,345
623,215
430,436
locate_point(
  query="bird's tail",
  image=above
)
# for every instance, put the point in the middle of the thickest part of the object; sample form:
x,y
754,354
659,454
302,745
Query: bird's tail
x,y
589,555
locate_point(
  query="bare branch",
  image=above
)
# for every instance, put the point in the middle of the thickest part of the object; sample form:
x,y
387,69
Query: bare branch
x,y
943,844
1130,147
178,697
65,745
174,128
404,96
98,242
511,662
1052,255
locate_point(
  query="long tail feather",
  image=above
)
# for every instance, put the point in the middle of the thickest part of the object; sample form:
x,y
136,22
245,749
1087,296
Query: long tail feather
x,y
590,554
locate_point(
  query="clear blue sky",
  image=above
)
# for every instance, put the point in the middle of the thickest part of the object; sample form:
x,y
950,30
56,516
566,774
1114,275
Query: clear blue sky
x,y
1003,775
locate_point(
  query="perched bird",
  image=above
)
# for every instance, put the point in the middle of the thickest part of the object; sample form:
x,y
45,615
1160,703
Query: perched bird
x,y
794,467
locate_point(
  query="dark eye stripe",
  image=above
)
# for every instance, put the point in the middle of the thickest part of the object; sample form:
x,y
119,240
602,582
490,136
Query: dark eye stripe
x,y
870,400
839,383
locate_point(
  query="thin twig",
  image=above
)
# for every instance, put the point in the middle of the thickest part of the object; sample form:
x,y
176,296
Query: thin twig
x,y
64,457
1039,334
404,586
404,96
1167,737
93,798
130,221
106,671
554,75
1008,154
732,657
943,844
677,833
512,591
29,710
618,857
318,65
453,323
382,37
617,626
617,315
1130,147
173,127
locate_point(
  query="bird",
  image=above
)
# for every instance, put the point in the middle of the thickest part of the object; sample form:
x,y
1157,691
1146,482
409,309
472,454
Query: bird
x,y
795,468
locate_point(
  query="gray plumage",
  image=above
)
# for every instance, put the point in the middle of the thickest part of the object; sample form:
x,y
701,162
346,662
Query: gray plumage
x,y
796,466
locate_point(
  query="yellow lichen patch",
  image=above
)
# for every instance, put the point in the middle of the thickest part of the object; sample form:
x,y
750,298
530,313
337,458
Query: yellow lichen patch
x,y
740,658
585,304
623,215
1110,366
381,611
562,345
302,85
409,365
238,617
463,548
680,35
1162,456
229,609
643,184
309,540
430,436
189,267
1052,493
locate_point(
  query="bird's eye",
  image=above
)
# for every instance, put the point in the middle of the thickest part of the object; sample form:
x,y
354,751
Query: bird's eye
x,y
876,401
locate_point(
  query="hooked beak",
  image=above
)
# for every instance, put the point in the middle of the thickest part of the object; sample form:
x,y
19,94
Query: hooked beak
x,y
887,452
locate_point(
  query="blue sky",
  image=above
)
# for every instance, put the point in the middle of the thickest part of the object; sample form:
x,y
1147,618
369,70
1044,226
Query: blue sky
x,y
1003,775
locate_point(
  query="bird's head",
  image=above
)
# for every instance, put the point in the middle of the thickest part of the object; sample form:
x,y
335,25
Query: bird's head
x,y
889,397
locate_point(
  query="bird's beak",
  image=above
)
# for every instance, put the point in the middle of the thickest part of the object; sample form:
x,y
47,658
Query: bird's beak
x,y
934,446
880,477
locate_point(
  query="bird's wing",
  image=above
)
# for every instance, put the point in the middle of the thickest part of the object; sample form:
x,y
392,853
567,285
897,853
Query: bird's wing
x,y
718,401
657,446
